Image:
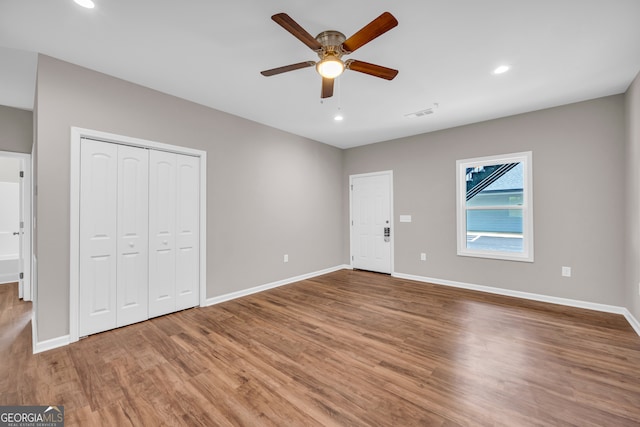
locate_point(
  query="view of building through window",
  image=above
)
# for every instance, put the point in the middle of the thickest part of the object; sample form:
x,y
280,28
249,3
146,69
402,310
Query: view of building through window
x,y
494,201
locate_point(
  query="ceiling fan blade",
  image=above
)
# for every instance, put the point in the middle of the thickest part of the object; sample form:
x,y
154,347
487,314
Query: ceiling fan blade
x,y
371,69
286,22
280,70
327,88
373,29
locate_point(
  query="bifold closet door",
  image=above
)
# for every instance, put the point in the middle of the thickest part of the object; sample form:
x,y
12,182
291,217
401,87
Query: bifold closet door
x,y
162,236
174,233
113,236
188,232
133,235
98,236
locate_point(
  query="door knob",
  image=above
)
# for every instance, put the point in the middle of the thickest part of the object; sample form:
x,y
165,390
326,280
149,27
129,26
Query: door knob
x,y
131,244
15,233
164,242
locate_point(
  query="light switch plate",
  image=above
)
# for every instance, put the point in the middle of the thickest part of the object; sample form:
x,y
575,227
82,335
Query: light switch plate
x,y
405,218
566,271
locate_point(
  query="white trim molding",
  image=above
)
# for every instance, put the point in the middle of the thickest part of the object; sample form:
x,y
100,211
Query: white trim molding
x,y
527,295
272,285
632,321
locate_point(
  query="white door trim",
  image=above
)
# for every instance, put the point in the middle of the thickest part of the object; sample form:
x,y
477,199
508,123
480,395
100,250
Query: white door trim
x,y
76,135
388,173
27,201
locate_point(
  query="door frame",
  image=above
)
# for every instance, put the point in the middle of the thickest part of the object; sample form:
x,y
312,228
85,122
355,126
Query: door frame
x,y
388,173
25,289
76,136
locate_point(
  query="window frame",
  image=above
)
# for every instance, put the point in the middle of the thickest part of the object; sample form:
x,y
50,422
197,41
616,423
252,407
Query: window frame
x,y
527,206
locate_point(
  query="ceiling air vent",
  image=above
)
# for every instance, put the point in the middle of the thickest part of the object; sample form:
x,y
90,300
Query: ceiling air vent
x,y
422,113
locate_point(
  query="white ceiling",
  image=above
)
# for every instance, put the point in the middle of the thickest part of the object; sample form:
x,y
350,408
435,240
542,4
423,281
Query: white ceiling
x,y
211,52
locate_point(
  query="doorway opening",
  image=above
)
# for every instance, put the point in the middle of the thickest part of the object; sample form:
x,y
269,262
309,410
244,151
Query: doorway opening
x,y
371,221
15,222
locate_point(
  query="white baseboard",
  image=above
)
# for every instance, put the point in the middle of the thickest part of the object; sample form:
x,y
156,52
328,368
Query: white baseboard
x,y
40,346
267,286
9,278
527,295
632,321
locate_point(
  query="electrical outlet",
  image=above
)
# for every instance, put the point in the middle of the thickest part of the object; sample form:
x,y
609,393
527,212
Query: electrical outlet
x,y
286,258
423,256
566,271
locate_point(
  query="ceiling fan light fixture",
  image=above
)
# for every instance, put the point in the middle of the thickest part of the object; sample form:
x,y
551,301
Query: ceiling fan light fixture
x,y
330,67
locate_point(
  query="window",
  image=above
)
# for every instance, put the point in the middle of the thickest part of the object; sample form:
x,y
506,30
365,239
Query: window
x,y
494,200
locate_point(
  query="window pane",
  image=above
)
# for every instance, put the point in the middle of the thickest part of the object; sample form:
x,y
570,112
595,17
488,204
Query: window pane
x,y
495,185
495,230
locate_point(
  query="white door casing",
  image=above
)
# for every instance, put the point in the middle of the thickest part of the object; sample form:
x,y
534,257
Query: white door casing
x,y
133,232
371,214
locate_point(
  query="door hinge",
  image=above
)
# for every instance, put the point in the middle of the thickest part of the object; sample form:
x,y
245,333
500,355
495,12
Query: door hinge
x,y
352,258
351,187
352,223
21,174
21,276
21,224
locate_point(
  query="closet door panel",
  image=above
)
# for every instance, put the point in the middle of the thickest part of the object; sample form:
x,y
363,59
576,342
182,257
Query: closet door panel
x,y
162,236
98,236
133,232
187,232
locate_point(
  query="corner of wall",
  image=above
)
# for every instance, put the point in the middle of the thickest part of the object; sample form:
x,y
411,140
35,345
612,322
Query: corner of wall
x,y
632,208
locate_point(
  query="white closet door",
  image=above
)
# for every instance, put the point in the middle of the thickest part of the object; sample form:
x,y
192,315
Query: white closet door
x,y
187,232
133,235
162,237
98,216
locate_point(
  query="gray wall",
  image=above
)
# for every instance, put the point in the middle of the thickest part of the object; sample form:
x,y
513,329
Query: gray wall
x,y
268,192
16,130
578,166
632,232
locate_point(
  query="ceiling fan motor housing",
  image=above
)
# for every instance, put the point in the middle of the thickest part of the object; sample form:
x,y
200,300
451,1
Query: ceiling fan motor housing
x,y
331,42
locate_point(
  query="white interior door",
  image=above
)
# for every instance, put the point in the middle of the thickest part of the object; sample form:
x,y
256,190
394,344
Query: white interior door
x,y
10,220
133,235
371,218
98,236
162,236
187,232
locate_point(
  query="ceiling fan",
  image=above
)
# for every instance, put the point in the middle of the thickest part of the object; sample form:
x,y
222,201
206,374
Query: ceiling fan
x,y
332,45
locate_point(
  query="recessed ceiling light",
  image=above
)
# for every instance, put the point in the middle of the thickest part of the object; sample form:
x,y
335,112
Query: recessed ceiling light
x,y
338,118
501,69
86,3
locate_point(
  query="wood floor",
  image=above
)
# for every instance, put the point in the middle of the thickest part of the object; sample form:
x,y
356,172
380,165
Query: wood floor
x,y
345,349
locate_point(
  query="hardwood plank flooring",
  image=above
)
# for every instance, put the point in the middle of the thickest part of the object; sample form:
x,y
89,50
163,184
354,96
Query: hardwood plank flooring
x,y
349,348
